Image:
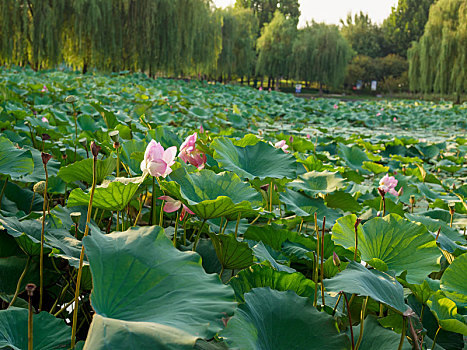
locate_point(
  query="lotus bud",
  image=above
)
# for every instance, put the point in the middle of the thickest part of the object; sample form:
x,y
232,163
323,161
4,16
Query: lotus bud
x,y
95,149
45,137
71,99
378,214
400,192
114,135
412,199
453,186
335,259
75,216
83,142
30,288
39,187
357,222
452,208
45,158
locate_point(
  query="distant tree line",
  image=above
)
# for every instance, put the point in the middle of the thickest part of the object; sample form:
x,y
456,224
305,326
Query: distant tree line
x,y
422,44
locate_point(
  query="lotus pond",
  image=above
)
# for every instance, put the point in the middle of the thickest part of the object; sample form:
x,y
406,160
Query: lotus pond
x,y
164,214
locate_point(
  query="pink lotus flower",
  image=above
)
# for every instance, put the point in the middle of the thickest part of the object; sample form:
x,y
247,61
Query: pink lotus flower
x,y
157,161
172,205
44,89
308,136
260,88
382,109
291,139
44,120
282,145
189,153
388,184
201,129
378,114
394,119
336,106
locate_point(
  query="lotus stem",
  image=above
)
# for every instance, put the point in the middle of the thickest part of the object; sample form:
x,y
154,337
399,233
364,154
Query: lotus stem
x,y
176,229
256,218
3,191
362,322
315,279
118,221
225,225
198,235
41,256
337,303
95,152
436,338
30,289
316,262
322,260
381,310
350,321
32,201
161,214
270,195
153,203
300,227
404,329
76,126
118,162
238,222
18,286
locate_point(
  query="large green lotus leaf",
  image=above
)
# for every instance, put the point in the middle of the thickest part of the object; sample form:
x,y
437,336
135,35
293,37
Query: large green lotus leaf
x,y
264,254
316,182
304,206
112,195
27,234
373,283
445,311
376,336
210,195
232,254
258,161
128,148
82,170
400,244
258,275
342,200
271,320
138,276
13,161
108,333
447,237
273,236
454,281
49,333
353,157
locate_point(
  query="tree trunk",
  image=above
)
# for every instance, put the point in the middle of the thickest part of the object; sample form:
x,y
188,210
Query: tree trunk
x,y
241,80
321,89
85,67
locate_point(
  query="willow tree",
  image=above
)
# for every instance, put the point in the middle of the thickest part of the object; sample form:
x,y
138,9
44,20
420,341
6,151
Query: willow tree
x,y
30,31
274,46
239,28
438,62
321,54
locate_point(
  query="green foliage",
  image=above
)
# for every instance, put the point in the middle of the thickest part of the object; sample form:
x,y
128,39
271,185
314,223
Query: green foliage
x,y
406,24
438,61
365,37
320,54
274,46
265,10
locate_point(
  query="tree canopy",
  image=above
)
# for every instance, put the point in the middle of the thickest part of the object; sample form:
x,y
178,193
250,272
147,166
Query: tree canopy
x,y
265,9
438,61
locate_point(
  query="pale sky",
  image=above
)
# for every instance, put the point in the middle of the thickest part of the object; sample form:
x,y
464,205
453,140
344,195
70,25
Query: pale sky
x,y
331,11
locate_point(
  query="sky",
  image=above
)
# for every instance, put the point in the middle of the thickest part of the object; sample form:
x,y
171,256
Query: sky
x,y
332,11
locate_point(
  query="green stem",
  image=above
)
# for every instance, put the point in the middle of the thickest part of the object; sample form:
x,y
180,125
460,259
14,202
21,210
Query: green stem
x,y
436,338
270,195
404,330
198,235
18,286
322,260
118,162
118,221
32,201
30,325
41,257
238,222
381,310
176,229
76,127
81,257
161,214
60,296
350,320
315,278
3,191
362,322
337,303
153,204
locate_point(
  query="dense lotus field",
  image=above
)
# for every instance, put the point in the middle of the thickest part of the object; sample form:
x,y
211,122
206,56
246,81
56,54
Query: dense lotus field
x,y
163,214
